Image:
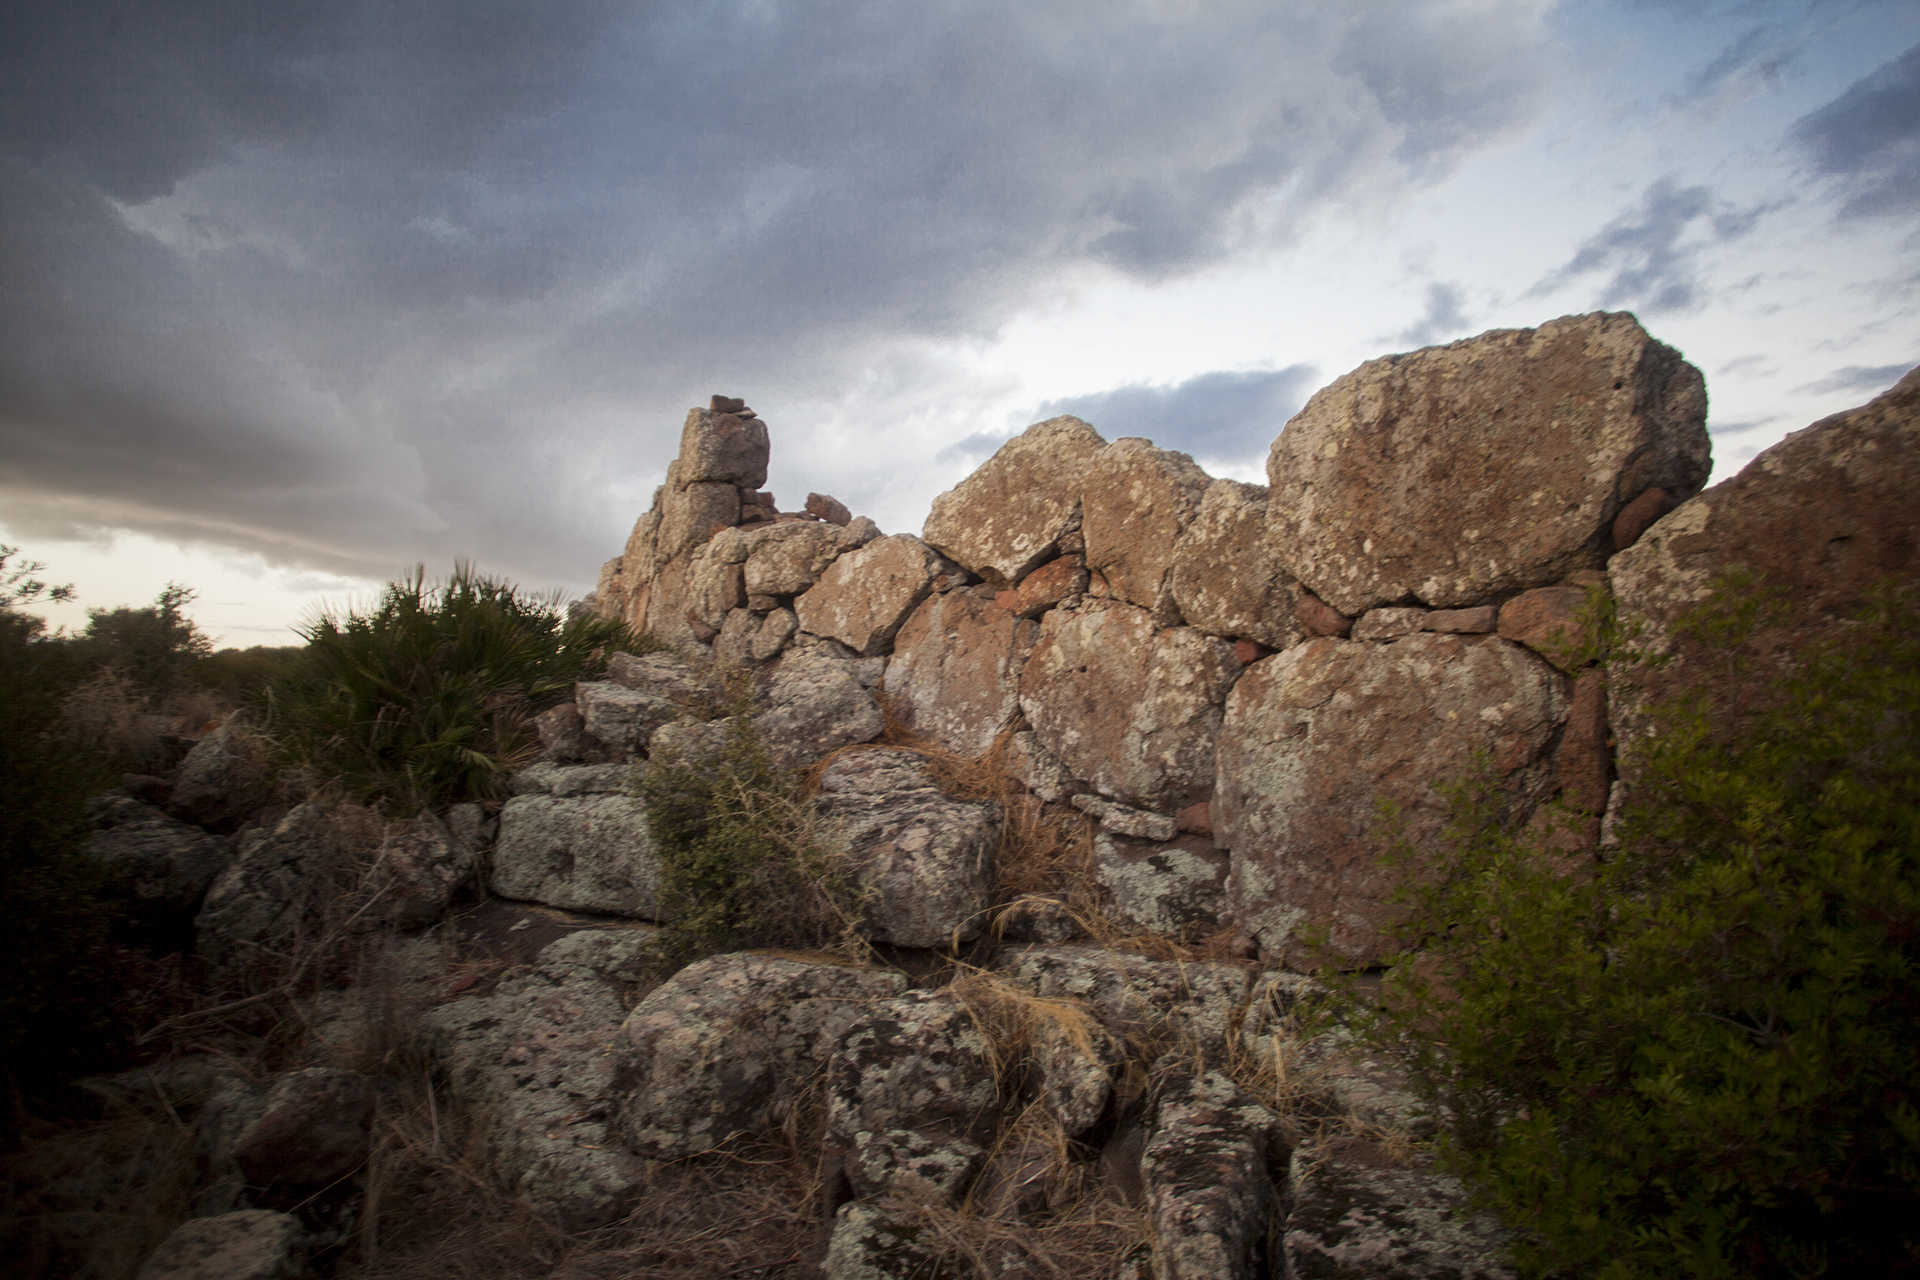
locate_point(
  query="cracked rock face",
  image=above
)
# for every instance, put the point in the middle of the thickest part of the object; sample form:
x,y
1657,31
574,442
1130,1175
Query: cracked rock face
x,y
924,860
1357,1215
1126,707
864,596
955,672
1821,518
1455,475
1213,1187
1007,518
1317,737
538,1056
1135,502
581,853
915,1062
724,1046
1225,580
815,704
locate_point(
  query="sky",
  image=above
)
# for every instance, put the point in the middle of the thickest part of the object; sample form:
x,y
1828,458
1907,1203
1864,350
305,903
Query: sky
x,y
296,296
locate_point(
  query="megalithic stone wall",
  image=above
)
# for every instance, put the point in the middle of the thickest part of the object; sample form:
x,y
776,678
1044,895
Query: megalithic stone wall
x,y
1185,658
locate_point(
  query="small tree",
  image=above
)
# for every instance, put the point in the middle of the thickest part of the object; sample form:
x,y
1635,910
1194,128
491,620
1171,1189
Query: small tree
x,y
155,646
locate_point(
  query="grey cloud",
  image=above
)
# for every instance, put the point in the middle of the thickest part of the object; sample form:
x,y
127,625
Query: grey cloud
x,y
1222,416
1650,252
1442,317
1868,379
1756,60
360,283
1869,137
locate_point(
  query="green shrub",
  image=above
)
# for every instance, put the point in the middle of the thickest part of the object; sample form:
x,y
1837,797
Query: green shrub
x,y
742,864
427,698
1702,1056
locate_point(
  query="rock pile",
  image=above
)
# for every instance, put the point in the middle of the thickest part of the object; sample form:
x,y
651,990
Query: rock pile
x,y
1228,681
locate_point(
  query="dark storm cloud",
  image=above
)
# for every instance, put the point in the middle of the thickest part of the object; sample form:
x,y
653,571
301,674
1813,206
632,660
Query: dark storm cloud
x,y
1650,253
1225,417
1869,137
358,283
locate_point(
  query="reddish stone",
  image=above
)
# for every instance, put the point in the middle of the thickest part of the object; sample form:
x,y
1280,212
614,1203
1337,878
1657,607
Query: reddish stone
x,y
1196,819
1635,518
1820,520
1073,544
1006,519
832,510
1584,768
702,631
1464,622
955,671
1249,651
1320,618
864,596
1128,707
1225,580
1464,473
1317,737
1048,585
1135,502
1544,620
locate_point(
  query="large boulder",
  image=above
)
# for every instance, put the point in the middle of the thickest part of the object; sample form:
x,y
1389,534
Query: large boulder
x,y
1007,518
282,880
1360,1214
725,1046
786,559
1213,1171
581,853
865,595
955,673
224,777
691,513
1815,523
248,1244
1459,474
1225,580
916,1062
728,448
1134,997
1315,740
922,860
537,1057
813,704
1126,707
1135,502
421,866
160,867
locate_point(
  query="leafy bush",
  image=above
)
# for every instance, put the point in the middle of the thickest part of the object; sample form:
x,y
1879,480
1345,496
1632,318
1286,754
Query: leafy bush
x,y
427,698
741,861
1701,1056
